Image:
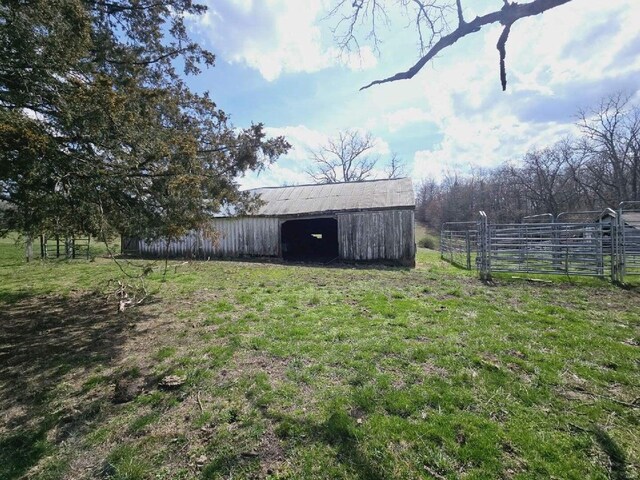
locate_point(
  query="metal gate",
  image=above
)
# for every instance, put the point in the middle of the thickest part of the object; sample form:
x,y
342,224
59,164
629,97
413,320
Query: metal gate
x,y
551,248
458,243
606,246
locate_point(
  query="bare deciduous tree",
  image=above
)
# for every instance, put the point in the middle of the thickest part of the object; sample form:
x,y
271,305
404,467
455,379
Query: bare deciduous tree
x,y
348,158
396,167
428,198
609,164
438,23
598,169
546,181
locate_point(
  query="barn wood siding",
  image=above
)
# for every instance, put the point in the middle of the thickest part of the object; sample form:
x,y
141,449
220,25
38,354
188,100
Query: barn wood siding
x,y
382,235
385,235
235,237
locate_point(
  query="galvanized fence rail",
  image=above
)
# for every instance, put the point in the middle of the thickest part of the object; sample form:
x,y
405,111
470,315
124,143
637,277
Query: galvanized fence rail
x,y
547,248
628,237
458,243
607,246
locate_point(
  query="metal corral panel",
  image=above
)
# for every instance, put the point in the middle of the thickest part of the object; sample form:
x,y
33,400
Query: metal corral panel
x,y
381,235
336,197
235,237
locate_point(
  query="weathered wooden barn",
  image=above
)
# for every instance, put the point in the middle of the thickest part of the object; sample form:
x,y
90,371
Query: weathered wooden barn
x,y
369,221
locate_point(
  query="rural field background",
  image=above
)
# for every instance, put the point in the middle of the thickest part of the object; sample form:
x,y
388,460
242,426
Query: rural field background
x,y
294,371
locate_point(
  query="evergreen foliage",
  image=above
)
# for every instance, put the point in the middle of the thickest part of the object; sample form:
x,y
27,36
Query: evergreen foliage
x,y
99,131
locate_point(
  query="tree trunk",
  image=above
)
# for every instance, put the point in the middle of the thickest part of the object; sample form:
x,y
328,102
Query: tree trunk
x,y
29,248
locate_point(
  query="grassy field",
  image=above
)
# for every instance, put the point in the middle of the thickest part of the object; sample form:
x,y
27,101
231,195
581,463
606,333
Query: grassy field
x,y
310,372
426,237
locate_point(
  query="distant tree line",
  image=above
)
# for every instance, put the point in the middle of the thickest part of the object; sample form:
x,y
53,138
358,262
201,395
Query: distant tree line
x,y
598,168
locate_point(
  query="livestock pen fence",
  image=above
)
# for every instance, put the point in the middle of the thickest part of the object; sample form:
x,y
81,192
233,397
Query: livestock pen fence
x,y
605,246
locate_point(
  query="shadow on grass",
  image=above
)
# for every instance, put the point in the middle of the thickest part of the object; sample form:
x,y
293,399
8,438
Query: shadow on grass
x,y
338,430
43,342
459,265
21,450
339,264
15,296
617,458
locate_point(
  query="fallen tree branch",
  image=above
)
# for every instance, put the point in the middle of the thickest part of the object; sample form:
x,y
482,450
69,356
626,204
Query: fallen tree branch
x,y
199,402
433,473
129,295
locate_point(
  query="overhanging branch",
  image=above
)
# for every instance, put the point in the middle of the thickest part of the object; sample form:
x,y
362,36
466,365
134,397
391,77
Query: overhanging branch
x,y
501,46
507,16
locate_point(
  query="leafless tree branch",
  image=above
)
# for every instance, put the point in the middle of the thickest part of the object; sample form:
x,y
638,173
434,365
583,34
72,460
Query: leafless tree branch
x,y
460,15
502,42
347,158
433,15
396,167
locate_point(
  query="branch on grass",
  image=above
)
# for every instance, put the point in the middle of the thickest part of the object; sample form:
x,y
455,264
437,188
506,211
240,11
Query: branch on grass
x,y
129,295
507,16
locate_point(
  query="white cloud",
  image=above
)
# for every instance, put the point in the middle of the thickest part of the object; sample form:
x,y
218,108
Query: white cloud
x,y
557,62
273,176
275,37
380,147
483,143
483,127
404,117
575,43
301,138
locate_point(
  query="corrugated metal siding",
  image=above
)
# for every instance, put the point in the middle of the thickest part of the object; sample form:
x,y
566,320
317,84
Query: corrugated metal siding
x,y
251,236
382,235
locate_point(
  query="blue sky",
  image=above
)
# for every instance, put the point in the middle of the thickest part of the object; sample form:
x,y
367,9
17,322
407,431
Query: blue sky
x,y
277,63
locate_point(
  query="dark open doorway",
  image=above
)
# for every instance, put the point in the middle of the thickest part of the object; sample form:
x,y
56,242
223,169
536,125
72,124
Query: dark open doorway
x,y
314,240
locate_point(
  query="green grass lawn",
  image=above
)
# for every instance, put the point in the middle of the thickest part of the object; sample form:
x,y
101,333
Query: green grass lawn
x,y
307,372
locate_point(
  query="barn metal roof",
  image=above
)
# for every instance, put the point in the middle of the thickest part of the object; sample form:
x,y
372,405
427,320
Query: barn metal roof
x,y
336,197
630,218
